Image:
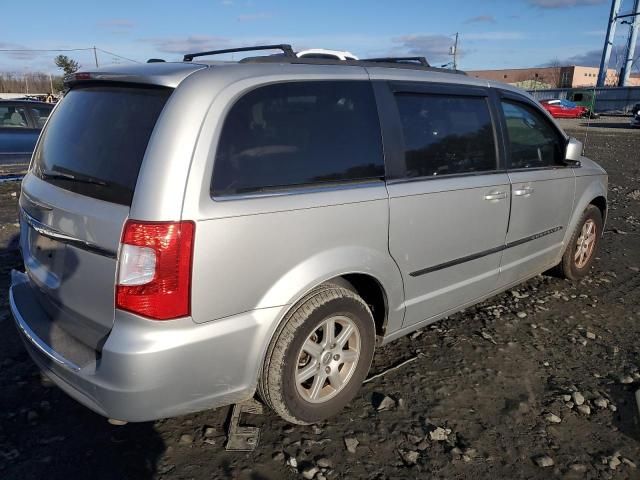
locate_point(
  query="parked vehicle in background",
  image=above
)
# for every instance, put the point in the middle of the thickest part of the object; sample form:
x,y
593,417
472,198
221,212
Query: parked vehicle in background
x,y
20,124
584,98
563,108
636,109
635,122
274,220
326,54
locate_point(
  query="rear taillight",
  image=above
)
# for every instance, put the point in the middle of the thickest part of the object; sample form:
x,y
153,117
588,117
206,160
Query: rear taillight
x,y
154,269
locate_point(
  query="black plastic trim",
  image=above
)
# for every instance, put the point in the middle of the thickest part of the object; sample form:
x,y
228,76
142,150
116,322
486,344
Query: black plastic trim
x,y
484,253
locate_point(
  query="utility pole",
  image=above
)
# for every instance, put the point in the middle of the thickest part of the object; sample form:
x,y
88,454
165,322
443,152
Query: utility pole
x,y
51,83
95,56
454,52
608,42
634,25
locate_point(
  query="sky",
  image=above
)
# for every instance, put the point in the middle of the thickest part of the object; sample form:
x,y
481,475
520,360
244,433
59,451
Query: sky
x,y
493,33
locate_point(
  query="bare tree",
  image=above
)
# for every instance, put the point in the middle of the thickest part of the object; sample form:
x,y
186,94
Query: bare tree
x,y
554,75
11,82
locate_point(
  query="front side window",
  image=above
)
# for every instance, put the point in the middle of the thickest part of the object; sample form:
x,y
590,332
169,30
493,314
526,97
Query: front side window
x,y
13,117
533,141
446,135
299,133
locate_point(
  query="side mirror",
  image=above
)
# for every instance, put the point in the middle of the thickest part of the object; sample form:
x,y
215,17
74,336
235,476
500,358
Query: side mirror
x,y
573,153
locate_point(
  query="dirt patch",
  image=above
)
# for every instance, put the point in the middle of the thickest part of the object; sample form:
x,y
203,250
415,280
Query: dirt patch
x,y
535,383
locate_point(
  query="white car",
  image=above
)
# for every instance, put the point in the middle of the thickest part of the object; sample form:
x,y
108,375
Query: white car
x,y
326,54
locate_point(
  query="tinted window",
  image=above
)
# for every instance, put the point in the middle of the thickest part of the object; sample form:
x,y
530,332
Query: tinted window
x,y
40,115
96,139
292,134
446,134
534,142
13,117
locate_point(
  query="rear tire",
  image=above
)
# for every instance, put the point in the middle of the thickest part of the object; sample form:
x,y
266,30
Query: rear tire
x,y
319,356
583,244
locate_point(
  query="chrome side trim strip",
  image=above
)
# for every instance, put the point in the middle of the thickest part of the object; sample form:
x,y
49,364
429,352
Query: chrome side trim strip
x,y
49,232
36,341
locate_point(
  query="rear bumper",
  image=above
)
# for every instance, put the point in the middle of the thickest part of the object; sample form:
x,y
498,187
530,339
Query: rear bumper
x,y
147,369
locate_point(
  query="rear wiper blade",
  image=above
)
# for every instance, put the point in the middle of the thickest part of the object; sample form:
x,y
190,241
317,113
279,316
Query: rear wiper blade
x,y
54,175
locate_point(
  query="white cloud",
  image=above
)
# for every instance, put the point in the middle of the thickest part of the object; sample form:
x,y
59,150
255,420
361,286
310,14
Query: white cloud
x,y
117,25
481,19
252,17
494,36
564,3
434,47
192,43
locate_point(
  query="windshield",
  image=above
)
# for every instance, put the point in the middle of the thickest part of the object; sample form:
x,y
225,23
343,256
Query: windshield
x,y
568,104
95,141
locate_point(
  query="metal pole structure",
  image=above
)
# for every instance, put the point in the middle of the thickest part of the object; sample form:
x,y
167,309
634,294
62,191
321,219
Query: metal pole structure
x,y
608,43
631,45
95,56
455,53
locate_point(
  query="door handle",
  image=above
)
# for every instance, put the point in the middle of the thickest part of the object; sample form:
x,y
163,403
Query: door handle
x,y
491,196
523,192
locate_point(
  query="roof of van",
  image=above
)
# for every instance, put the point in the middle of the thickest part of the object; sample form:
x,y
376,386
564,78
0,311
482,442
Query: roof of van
x,y
171,74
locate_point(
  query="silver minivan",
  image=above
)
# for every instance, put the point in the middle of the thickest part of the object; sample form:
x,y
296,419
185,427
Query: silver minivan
x,y
194,233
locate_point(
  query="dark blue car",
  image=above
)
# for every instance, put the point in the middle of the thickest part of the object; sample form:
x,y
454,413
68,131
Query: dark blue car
x,y
20,125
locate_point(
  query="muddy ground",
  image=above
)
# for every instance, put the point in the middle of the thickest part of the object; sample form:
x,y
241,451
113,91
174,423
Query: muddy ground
x,y
542,375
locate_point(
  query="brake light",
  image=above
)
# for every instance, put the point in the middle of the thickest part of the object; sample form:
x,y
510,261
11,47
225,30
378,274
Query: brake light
x,y
154,269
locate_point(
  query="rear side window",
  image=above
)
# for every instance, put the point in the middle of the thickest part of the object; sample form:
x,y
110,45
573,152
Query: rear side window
x,y
533,141
295,134
445,135
13,117
96,139
40,114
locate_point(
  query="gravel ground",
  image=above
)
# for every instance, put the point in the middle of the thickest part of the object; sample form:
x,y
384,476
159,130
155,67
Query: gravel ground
x,y
538,383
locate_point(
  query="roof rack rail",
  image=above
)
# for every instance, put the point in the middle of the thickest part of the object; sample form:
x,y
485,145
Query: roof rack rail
x,y
286,49
410,60
349,63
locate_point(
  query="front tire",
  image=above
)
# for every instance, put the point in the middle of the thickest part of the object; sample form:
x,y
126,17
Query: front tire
x,y
580,252
319,356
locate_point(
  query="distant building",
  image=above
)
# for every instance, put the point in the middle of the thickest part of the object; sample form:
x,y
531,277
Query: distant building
x,y
572,76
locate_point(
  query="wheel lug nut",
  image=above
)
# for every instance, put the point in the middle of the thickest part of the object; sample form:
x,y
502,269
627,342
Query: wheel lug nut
x,y
327,370
336,357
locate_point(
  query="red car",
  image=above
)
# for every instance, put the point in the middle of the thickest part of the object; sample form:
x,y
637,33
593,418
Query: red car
x,y
564,109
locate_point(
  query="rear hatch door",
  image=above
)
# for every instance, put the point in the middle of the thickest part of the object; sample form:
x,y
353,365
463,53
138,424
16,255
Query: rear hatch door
x,y
76,199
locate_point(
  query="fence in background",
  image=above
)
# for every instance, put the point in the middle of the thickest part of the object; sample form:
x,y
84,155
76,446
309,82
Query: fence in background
x,y
608,99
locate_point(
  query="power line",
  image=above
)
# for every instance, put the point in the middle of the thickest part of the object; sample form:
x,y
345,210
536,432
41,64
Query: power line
x,y
116,55
37,50
44,50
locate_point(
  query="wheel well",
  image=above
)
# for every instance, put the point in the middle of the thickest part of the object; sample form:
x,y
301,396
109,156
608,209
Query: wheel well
x,y
601,203
370,290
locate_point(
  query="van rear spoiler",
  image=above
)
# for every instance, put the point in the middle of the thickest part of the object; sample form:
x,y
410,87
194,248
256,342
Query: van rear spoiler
x,y
164,74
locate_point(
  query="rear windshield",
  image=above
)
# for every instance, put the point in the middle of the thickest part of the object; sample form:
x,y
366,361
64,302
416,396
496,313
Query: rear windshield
x,y
96,138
